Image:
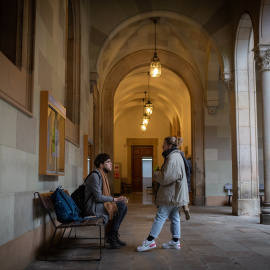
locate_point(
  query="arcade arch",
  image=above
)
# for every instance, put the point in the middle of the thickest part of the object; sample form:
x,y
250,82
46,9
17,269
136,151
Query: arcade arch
x,y
183,70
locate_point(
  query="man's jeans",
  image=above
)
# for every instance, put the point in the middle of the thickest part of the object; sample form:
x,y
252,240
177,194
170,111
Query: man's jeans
x,y
163,213
118,218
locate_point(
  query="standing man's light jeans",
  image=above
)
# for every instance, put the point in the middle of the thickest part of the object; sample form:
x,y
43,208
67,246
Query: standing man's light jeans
x,y
162,214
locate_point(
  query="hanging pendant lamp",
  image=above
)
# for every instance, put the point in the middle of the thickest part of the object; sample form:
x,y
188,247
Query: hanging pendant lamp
x,y
143,127
155,67
145,117
148,105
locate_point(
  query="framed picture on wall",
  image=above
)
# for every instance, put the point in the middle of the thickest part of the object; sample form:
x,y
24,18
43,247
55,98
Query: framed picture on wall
x,y
51,135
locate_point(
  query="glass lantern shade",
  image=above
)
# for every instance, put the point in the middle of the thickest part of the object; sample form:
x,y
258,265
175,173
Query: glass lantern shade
x,y
145,119
145,122
155,67
149,107
143,127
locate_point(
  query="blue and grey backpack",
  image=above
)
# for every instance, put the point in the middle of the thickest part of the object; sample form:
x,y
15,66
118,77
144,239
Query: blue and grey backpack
x,y
78,194
65,208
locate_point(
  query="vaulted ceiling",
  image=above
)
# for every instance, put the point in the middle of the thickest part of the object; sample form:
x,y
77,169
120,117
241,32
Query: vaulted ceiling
x,y
188,29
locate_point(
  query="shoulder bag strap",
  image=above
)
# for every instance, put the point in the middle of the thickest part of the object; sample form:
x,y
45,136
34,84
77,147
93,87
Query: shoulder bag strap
x,y
85,181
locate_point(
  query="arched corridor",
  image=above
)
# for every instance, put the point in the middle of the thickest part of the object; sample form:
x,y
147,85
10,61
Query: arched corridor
x,y
74,82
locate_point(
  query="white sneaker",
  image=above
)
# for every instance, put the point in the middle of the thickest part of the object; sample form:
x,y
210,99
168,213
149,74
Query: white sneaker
x,y
172,244
146,245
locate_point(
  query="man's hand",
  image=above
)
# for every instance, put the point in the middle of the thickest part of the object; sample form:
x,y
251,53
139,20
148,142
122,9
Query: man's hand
x,y
120,199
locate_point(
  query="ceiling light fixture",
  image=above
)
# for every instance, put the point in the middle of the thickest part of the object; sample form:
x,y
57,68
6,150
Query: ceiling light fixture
x,y
145,117
155,67
143,127
148,105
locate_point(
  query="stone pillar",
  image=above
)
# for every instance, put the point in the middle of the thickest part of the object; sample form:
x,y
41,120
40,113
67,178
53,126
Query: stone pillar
x,y
262,56
229,81
244,144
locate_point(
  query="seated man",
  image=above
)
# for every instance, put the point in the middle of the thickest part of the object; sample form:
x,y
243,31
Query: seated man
x,y
99,202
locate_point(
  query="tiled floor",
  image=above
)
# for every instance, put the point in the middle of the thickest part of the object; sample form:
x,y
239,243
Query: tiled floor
x,y
211,239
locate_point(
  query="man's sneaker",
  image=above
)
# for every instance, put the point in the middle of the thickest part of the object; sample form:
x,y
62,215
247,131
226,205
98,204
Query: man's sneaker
x,y
172,244
186,211
146,245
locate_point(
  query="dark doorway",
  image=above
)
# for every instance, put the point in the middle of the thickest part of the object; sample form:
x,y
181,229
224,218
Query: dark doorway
x,y
137,153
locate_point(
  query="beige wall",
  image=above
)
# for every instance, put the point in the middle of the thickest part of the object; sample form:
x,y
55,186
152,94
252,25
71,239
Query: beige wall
x,y
217,152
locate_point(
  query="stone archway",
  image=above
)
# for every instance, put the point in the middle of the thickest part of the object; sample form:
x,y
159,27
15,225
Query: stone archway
x,y
182,69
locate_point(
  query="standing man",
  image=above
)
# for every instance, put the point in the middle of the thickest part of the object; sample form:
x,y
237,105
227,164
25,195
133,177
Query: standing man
x,y
99,202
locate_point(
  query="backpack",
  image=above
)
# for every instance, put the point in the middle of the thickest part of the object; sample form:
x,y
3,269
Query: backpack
x,y
188,169
65,208
78,195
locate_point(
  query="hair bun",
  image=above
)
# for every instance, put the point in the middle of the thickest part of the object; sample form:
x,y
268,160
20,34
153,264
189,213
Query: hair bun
x,y
179,140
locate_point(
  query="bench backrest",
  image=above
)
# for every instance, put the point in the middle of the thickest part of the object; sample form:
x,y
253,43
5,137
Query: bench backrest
x,y
47,202
228,187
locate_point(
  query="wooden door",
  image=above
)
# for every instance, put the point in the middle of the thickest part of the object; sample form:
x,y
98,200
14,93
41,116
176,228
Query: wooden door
x,y
137,153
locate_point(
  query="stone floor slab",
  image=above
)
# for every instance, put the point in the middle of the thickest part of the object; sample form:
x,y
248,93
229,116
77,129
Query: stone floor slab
x,y
212,239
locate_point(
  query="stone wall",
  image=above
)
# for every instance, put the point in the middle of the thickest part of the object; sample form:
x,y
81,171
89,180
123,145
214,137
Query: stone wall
x,y
23,230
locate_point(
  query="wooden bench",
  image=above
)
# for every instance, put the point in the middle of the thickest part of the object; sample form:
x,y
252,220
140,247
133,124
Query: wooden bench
x,y
228,188
46,201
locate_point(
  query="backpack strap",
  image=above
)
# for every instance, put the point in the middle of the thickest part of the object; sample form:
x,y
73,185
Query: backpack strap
x,y
85,182
90,174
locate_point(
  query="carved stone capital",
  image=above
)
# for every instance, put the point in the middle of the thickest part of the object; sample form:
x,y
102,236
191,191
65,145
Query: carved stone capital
x,y
93,86
228,78
211,110
262,56
96,98
211,106
230,86
93,82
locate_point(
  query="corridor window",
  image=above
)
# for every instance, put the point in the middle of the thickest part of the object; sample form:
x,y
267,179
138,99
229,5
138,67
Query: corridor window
x,y
17,19
11,19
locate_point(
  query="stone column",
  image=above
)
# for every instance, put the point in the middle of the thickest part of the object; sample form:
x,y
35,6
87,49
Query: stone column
x,y
229,81
95,92
262,56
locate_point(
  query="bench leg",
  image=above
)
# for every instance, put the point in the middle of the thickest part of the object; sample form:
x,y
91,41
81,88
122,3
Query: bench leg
x,y
50,245
104,236
61,237
70,232
99,242
229,200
